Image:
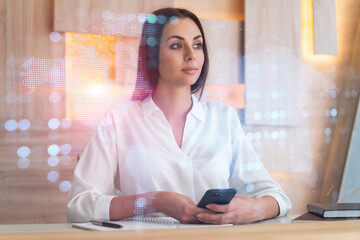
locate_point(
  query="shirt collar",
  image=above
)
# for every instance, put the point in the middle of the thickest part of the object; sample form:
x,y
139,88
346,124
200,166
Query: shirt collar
x,y
197,108
149,107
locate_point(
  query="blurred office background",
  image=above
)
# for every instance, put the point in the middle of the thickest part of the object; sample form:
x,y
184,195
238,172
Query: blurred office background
x,y
290,67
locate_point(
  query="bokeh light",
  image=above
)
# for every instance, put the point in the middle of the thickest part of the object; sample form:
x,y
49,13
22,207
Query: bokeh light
x,y
23,152
257,136
55,37
53,161
66,123
24,124
151,18
274,115
250,166
54,123
95,90
141,202
275,135
65,149
23,163
141,17
333,112
257,115
65,186
282,114
151,41
328,131
250,187
53,150
11,125
161,19
11,97
250,136
174,20
274,95
53,176
353,93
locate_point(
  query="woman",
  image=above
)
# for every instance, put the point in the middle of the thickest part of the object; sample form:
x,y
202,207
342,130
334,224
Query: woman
x,y
160,152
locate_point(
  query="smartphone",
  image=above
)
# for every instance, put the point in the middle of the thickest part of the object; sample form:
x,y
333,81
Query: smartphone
x,y
217,196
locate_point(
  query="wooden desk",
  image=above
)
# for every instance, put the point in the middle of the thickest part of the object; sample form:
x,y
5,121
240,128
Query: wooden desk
x,y
308,231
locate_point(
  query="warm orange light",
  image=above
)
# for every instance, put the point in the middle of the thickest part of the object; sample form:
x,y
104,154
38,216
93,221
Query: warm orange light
x,y
232,94
91,87
307,34
96,90
307,28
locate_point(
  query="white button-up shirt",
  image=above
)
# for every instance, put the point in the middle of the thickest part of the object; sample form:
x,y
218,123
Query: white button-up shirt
x,y
134,151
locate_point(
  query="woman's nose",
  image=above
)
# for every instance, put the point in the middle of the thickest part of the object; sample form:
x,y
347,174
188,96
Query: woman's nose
x,y
189,55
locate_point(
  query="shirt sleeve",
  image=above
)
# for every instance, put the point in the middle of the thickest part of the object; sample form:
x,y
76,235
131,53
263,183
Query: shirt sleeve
x,y
248,174
93,181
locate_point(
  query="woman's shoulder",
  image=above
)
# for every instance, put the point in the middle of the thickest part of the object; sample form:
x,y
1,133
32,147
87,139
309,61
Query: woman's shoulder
x,y
124,107
220,112
117,115
120,110
216,105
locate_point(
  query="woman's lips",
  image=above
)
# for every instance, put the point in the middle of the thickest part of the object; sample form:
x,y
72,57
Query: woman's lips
x,y
190,70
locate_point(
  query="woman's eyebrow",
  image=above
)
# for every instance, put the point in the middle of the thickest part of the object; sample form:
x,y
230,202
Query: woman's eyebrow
x,y
181,38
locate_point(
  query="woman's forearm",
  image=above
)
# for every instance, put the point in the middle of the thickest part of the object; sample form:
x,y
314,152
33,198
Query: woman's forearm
x,y
128,206
269,207
175,205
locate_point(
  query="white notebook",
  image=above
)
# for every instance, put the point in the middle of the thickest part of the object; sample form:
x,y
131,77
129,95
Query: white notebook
x,y
142,223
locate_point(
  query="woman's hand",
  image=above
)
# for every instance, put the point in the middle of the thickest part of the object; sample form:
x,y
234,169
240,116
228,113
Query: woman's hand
x,y
241,209
178,206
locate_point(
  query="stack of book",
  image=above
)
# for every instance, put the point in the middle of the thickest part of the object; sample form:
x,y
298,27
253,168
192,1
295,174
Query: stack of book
x,y
330,212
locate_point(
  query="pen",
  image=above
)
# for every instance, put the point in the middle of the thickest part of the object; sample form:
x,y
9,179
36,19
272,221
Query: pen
x,y
106,224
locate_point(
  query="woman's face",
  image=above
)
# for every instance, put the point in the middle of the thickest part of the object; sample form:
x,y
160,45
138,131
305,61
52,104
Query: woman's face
x,y
181,56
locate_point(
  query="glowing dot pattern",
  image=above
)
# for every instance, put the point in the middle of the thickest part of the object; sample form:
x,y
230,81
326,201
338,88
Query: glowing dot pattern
x,y
54,123
66,123
53,161
161,19
23,163
151,18
24,124
53,150
11,125
55,37
23,152
11,97
141,17
54,97
141,202
65,186
53,176
65,149
151,41
250,187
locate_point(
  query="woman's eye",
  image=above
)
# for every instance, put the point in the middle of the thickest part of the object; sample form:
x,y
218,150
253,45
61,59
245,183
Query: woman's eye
x,y
198,46
175,46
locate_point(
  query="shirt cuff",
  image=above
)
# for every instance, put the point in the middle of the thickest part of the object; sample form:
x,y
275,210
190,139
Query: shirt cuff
x,y
284,206
102,207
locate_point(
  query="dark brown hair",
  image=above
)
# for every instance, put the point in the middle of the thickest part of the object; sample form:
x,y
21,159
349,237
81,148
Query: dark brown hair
x,y
148,60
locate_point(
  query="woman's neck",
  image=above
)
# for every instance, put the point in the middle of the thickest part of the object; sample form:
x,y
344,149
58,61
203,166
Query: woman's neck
x,y
173,103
